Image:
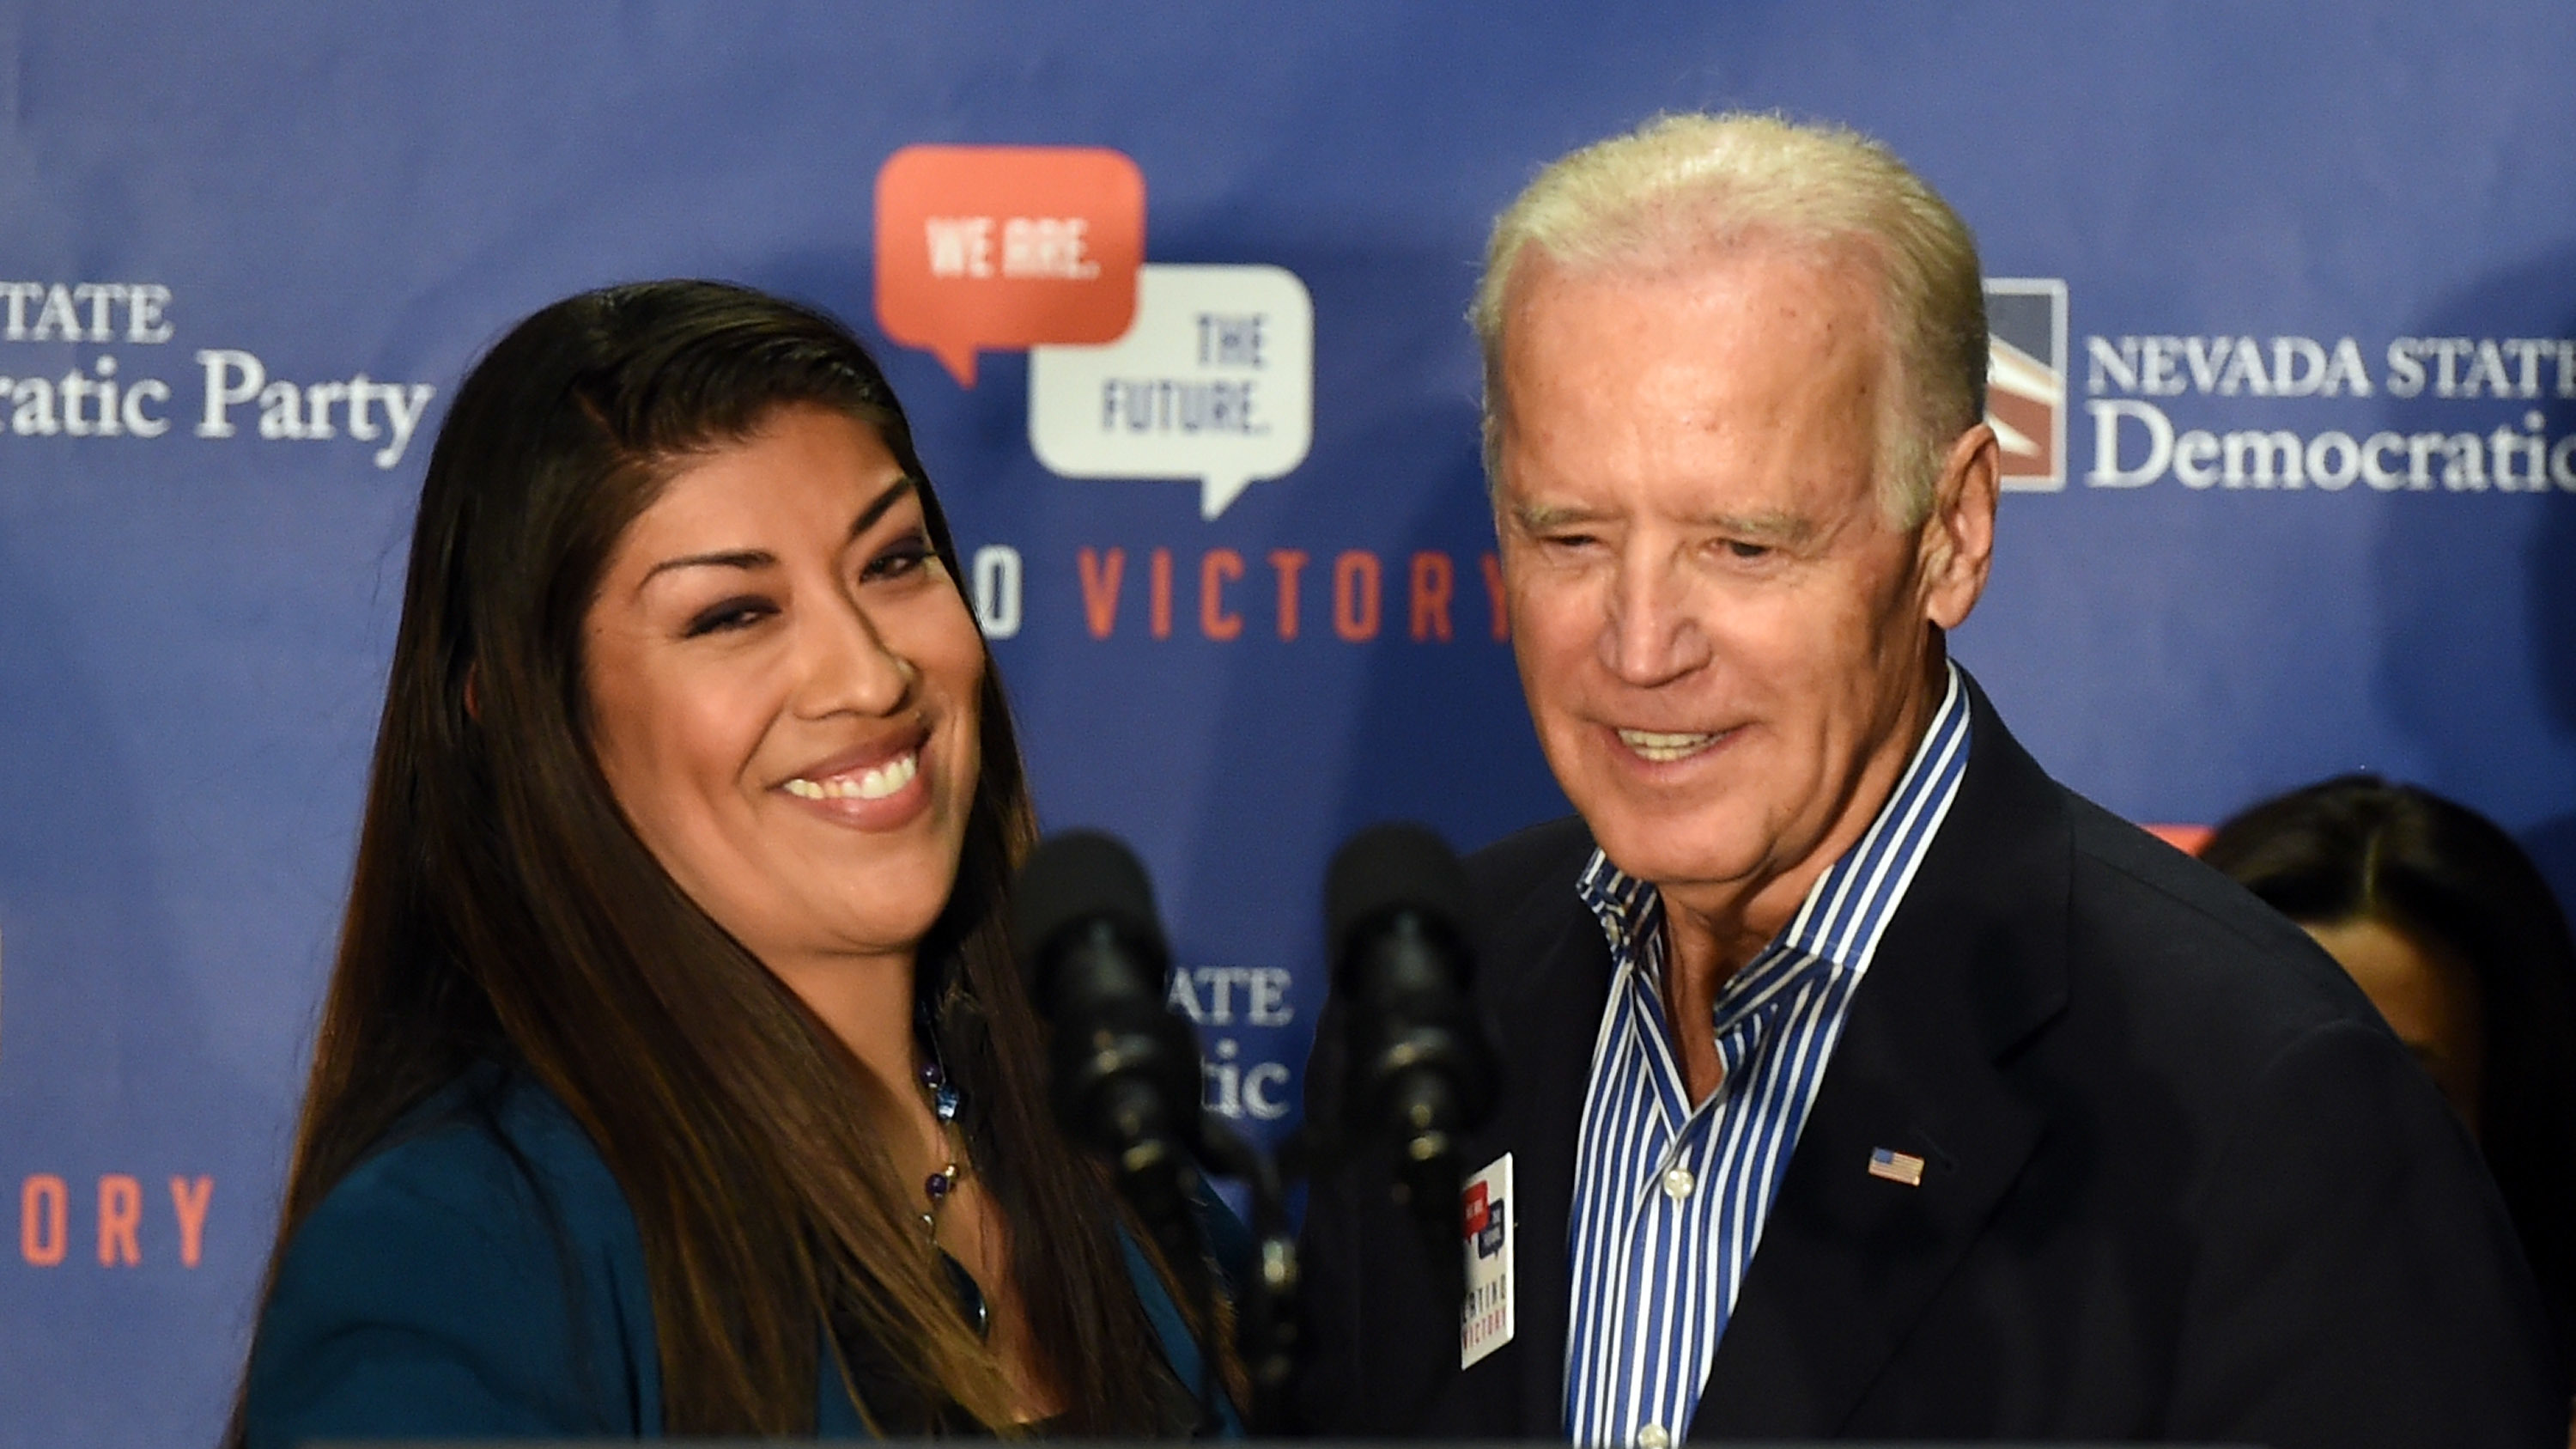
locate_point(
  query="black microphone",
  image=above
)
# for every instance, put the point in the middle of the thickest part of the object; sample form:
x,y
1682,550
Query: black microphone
x,y
1124,1068
1420,1072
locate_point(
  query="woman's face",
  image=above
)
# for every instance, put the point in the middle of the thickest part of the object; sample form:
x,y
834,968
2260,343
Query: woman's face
x,y
783,682
2429,999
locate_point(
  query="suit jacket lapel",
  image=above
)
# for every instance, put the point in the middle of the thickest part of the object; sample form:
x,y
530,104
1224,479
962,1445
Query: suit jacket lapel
x,y
1973,962
1548,970
1553,1050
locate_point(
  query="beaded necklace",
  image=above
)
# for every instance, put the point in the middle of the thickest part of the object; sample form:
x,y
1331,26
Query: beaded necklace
x,y
936,1188
944,1102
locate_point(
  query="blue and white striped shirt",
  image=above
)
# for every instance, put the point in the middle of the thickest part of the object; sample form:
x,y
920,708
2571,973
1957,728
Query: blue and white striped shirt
x,y
1669,1201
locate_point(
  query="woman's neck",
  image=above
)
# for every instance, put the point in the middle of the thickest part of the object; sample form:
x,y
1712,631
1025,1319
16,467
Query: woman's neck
x,y
868,1003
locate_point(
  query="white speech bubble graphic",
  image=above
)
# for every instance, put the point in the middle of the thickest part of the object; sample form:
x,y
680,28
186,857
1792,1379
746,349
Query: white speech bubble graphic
x,y
1215,380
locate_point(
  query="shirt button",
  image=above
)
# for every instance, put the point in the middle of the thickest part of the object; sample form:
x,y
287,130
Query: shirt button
x,y
1677,1185
1653,1436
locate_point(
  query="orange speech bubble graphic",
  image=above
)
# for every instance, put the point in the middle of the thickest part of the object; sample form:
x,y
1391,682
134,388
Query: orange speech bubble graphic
x,y
1007,247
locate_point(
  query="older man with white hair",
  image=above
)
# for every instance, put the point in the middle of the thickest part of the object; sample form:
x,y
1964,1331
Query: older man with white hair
x,y
1862,1081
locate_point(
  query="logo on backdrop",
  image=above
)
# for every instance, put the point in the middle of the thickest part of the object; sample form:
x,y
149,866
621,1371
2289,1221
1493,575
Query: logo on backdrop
x,y
104,400
1202,374
2026,379
1214,383
1003,247
2223,428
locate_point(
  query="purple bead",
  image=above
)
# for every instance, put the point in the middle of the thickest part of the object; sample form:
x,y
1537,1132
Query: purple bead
x,y
939,1182
931,1076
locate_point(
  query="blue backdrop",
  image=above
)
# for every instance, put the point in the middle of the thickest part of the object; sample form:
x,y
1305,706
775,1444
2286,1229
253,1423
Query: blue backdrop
x,y
316,215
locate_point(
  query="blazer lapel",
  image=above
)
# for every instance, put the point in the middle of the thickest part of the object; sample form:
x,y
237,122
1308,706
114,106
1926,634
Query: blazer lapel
x,y
1546,1041
1543,974
1973,963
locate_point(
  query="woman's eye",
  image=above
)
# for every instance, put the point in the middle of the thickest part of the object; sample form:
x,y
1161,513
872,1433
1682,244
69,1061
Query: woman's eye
x,y
729,615
904,557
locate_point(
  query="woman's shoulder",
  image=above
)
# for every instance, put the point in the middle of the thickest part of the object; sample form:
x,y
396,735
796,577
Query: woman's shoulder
x,y
478,1272
493,1151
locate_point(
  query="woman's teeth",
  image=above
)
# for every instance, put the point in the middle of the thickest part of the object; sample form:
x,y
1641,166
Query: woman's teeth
x,y
1664,748
873,784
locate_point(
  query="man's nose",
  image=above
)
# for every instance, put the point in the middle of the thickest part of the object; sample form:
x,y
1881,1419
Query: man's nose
x,y
1651,635
851,665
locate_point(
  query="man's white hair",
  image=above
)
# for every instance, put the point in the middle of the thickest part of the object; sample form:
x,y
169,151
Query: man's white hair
x,y
1682,189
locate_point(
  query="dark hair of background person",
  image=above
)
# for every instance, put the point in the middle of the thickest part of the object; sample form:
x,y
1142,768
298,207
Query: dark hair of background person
x,y
503,909
2358,847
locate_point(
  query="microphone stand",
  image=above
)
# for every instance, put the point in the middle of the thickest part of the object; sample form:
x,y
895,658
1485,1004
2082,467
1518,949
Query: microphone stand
x,y
1265,1324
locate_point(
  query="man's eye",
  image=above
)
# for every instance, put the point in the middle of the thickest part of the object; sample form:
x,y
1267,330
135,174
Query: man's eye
x,y
731,614
1740,549
1568,540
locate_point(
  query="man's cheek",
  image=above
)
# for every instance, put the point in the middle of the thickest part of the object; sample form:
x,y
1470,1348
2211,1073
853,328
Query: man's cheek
x,y
1564,615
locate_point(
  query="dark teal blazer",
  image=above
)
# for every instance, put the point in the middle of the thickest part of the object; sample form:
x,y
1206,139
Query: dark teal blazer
x,y
481,1276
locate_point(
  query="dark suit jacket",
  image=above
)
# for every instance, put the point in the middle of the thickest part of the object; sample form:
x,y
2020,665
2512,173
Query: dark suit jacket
x,y
482,1277
2181,1182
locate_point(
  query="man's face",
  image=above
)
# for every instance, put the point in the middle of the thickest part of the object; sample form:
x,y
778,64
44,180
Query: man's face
x,y
1725,639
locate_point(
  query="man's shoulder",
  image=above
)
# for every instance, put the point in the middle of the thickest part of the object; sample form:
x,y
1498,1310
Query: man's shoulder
x,y
2160,951
1512,870
2175,931
1522,887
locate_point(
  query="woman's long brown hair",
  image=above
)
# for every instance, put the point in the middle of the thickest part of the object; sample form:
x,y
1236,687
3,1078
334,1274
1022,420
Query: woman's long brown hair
x,y
503,910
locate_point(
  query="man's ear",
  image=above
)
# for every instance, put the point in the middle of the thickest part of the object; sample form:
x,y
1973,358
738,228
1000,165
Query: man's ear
x,y
1958,542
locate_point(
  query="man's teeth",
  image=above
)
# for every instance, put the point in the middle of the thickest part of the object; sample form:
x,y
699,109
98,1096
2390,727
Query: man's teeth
x,y
1664,747
873,784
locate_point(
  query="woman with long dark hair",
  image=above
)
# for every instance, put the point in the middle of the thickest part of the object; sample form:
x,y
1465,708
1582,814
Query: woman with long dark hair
x,y
2453,933
674,1074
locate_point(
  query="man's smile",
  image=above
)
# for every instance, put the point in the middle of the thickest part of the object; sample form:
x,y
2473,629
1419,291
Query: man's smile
x,y
1664,747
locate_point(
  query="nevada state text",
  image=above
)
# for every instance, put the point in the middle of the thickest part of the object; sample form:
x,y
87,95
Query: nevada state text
x,y
2137,442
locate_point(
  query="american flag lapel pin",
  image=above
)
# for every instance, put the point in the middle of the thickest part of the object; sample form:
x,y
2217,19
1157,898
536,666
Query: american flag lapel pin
x,y
1896,1166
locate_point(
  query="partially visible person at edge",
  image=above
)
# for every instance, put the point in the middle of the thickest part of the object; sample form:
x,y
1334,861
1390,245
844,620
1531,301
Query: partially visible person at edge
x,y
1863,1081
2458,940
675,1076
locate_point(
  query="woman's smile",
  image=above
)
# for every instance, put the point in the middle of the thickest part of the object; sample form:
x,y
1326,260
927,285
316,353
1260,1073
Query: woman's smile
x,y
875,787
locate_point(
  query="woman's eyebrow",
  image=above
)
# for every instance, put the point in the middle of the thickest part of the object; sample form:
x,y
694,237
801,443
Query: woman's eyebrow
x,y
761,558
896,492
740,558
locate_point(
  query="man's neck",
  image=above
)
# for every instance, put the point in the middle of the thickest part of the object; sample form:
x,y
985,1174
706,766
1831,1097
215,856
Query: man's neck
x,y
1711,933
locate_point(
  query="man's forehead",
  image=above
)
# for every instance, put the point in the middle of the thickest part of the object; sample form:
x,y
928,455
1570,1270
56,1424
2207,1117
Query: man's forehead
x,y
1685,345
1748,346
1757,262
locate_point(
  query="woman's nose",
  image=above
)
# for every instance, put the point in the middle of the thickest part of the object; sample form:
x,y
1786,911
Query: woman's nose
x,y
851,665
